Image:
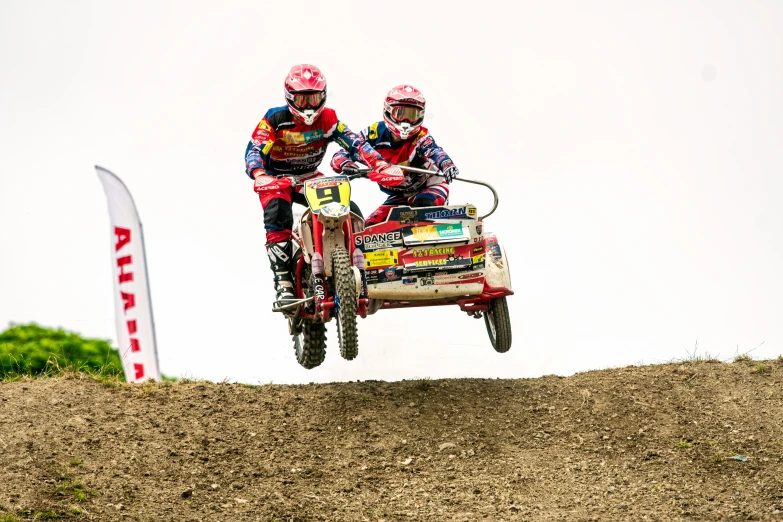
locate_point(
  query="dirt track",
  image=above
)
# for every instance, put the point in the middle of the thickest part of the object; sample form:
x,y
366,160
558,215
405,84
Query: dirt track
x,y
654,443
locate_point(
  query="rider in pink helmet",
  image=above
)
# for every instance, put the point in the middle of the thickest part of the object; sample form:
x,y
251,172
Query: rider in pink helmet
x,y
292,140
401,139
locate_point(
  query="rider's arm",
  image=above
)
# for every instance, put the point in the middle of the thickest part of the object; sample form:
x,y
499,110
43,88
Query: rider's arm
x,y
355,145
428,150
341,157
259,147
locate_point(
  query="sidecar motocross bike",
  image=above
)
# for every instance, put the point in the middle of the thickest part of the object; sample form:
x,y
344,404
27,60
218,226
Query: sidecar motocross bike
x,y
419,256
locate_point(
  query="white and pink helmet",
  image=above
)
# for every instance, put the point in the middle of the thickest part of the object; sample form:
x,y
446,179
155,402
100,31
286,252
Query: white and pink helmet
x,y
305,92
403,111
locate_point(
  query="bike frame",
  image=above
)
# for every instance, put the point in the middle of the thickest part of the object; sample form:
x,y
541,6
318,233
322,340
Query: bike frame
x,y
324,305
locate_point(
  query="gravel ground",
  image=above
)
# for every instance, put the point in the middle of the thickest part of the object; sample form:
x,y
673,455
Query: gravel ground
x,y
690,441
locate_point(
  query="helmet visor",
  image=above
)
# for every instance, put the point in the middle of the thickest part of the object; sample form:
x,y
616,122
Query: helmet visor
x,y
306,100
406,113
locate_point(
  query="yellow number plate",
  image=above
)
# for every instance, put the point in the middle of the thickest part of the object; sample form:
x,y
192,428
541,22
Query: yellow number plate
x,y
322,191
381,258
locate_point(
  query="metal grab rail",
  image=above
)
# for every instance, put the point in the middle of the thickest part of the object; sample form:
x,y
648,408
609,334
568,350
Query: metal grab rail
x,y
459,178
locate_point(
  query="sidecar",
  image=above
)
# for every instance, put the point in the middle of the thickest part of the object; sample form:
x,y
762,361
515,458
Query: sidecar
x,y
432,256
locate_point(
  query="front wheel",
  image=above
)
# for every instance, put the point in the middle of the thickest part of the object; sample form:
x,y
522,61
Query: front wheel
x,y
498,324
345,303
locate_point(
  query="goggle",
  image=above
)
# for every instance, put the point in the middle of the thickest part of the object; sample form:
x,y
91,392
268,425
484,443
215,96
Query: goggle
x,y
310,100
406,113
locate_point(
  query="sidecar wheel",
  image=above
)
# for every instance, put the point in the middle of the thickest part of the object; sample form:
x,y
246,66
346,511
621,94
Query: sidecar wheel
x,y
310,344
345,290
498,325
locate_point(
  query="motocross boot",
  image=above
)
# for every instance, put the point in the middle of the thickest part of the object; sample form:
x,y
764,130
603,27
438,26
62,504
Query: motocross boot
x,y
280,256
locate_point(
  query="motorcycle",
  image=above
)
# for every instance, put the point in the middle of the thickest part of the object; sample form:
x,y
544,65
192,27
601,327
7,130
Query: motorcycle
x,y
328,273
422,256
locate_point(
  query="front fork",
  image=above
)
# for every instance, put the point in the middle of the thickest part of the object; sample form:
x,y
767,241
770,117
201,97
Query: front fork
x,y
322,302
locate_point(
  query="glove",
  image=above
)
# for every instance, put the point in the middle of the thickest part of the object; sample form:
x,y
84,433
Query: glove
x,y
386,175
345,166
266,184
450,173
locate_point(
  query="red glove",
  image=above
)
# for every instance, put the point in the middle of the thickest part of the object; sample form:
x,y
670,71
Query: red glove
x,y
266,184
344,165
386,175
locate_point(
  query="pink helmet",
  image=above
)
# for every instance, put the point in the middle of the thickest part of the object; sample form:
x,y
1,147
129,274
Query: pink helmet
x,y
403,111
305,92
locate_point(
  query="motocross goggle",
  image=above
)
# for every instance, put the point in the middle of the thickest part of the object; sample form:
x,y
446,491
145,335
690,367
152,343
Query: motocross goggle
x,y
406,113
306,100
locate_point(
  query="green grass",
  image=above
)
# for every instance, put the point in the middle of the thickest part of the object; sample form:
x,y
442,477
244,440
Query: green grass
x,y
105,375
761,368
683,444
423,384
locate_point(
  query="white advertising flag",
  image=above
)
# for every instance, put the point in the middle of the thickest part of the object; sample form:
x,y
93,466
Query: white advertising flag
x,y
133,307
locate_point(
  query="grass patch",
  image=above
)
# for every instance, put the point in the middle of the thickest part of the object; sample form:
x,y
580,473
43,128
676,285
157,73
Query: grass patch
x,y
105,375
761,368
696,357
683,444
75,488
423,384
68,486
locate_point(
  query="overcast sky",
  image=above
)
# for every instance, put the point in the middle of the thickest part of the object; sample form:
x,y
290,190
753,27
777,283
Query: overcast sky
x,y
637,148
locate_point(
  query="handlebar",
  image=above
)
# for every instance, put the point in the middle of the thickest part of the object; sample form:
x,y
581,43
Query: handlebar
x,y
466,180
360,173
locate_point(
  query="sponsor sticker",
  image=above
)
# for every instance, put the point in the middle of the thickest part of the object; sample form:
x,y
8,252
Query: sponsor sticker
x,y
446,213
449,230
425,233
430,252
431,262
379,241
381,258
408,216
435,232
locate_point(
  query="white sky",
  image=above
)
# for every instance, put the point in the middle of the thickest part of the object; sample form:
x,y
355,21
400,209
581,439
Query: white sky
x,y
637,147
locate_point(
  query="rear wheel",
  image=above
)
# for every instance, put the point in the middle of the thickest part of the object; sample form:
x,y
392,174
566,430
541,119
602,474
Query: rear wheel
x,y
345,303
498,325
310,344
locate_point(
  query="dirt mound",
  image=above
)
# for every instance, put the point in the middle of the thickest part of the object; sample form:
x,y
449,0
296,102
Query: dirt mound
x,y
697,441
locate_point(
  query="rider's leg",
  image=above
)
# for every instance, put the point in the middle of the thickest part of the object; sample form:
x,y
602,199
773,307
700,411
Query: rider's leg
x,y
436,193
278,220
382,212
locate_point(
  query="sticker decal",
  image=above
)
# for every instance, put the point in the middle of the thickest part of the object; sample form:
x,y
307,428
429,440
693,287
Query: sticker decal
x,y
381,258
